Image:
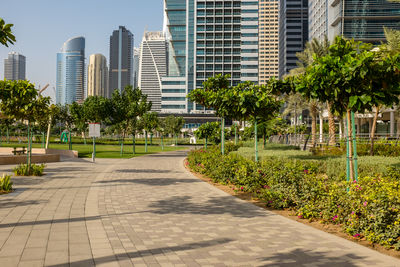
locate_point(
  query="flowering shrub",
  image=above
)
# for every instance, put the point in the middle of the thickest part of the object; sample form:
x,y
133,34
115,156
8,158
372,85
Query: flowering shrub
x,y
368,209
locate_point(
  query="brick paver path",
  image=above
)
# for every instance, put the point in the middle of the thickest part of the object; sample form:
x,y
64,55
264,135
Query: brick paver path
x,y
149,211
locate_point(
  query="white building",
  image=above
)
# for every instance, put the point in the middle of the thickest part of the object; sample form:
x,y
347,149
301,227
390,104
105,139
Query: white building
x,y
152,66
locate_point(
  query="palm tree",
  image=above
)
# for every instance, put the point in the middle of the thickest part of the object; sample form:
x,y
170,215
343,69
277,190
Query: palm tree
x,y
391,47
306,58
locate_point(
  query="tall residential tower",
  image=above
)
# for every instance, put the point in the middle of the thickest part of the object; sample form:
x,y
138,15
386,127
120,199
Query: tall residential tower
x,y
121,59
152,67
97,76
71,71
293,32
14,67
206,38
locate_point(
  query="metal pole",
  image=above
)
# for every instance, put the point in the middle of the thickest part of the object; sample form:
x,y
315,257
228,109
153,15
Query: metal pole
x,y
223,136
70,141
28,160
236,137
205,145
354,147
145,141
162,142
347,152
255,140
94,149
122,146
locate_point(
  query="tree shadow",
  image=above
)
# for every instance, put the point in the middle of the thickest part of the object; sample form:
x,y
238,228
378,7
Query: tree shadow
x,y
302,257
144,171
151,181
142,253
313,157
215,205
65,220
12,203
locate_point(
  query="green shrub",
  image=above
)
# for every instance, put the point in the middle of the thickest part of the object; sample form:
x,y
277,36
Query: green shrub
x,y
24,170
367,209
5,183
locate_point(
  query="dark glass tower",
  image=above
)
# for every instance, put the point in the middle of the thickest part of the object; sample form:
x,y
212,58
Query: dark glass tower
x,y
121,59
363,20
293,32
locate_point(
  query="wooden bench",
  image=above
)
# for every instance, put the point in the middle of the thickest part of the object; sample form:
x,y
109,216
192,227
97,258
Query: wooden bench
x,y
20,151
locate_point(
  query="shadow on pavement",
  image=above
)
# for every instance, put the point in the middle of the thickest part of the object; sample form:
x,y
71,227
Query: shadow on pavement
x,y
13,203
64,220
301,257
151,181
141,253
215,205
144,171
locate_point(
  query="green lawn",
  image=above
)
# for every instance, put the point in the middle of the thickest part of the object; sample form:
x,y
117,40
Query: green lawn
x,y
104,151
335,165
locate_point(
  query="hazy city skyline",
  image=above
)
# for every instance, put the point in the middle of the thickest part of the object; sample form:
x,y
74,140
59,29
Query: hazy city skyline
x,y
42,27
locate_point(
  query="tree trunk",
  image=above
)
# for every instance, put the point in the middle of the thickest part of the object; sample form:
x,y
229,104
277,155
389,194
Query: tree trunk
x,y
313,111
48,133
133,142
373,130
350,144
332,128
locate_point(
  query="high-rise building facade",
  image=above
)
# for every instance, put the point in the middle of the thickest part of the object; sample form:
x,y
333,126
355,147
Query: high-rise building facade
x,y
206,38
293,32
268,40
318,19
121,59
152,67
14,67
362,20
70,83
136,59
97,76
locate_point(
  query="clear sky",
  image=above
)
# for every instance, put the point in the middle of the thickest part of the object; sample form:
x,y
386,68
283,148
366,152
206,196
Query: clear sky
x,y
42,26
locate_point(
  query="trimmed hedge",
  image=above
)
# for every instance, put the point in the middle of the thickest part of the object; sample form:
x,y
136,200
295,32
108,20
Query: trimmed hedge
x,y
368,209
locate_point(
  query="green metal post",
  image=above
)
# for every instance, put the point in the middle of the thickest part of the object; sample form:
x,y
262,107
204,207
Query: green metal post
x,y
162,142
223,136
236,137
354,147
205,144
134,144
145,141
70,141
255,140
151,139
347,154
28,160
8,137
43,139
94,149
122,146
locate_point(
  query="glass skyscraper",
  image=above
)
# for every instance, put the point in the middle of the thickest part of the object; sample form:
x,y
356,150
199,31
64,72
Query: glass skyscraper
x,y
206,38
71,71
14,67
362,20
121,59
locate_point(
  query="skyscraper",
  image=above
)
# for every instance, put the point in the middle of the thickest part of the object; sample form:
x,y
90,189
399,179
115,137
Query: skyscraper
x,y
268,40
318,19
97,76
152,66
206,38
14,67
121,59
136,58
362,20
71,71
293,32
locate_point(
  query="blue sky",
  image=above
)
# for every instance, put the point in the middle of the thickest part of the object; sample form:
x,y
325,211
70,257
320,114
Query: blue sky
x,y
42,26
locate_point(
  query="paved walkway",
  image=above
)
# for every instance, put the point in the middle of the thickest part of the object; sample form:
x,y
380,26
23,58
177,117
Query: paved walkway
x,y
149,211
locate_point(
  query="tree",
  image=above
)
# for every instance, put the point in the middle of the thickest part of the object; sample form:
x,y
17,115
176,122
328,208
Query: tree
x,y
79,118
20,101
6,35
352,79
174,126
215,95
136,105
149,123
96,109
207,131
315,48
